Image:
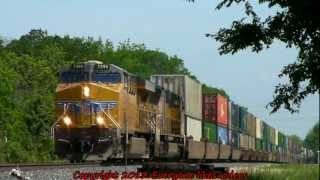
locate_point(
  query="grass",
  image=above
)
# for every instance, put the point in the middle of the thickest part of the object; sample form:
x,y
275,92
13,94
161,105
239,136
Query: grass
x,y
286,172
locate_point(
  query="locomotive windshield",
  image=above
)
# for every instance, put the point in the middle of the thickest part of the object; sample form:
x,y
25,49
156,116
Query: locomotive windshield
x,y
106,77
71,77
102,77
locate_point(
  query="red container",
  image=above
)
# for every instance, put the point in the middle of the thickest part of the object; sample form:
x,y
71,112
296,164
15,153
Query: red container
x,y
215,109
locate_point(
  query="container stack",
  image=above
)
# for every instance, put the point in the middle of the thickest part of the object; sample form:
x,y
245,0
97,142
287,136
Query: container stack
x,y
215,117
190,91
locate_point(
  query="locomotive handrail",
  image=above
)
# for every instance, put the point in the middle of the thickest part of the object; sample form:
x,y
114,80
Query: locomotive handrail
x,y
150,123
110,117
65,109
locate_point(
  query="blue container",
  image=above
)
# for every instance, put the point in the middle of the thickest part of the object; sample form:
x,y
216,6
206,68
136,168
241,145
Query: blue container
x,y
223,135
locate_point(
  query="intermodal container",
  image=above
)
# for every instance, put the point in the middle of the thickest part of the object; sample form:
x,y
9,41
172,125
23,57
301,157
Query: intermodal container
x,y
290,146
223,135
269,134
259,129
242,116
189,89
244,141
264,145
235,139
209,108
266,132
259,145
274,148
282,139
273,135
251,142
276,137
229,115
210,131
194,128
215,109
235,125
269,147
251,124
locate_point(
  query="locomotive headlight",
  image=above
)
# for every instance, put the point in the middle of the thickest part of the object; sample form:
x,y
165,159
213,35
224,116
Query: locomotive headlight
x,y
67,120
100,120
86,91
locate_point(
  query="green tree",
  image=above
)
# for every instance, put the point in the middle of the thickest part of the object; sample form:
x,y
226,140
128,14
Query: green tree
x,y
211,90
312,139
296,139
296,23
26,101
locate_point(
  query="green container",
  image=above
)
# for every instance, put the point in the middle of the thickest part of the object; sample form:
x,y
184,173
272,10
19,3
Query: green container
x,y
264,145
259,145
266,133
281,139
209,131
269,134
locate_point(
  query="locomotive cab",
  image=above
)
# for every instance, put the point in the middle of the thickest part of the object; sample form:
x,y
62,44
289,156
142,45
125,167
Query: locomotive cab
x,y
88,110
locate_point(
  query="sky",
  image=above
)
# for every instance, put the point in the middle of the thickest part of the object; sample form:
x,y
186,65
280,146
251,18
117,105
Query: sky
x,y
177,28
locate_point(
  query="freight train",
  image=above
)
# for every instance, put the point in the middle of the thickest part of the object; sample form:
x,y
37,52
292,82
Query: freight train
x,y
105,113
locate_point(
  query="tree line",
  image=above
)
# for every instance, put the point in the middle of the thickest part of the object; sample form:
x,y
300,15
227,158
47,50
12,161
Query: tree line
x,y
29,69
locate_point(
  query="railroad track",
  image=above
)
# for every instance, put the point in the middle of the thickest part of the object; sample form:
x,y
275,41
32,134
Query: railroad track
x,y
26,167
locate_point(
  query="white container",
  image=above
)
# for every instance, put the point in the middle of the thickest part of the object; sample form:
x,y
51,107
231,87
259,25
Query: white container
x,y
190,90
276,137
258,128
194,128
252,143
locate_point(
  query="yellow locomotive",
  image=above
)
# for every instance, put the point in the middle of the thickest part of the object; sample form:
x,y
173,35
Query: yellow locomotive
x,y
104,112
